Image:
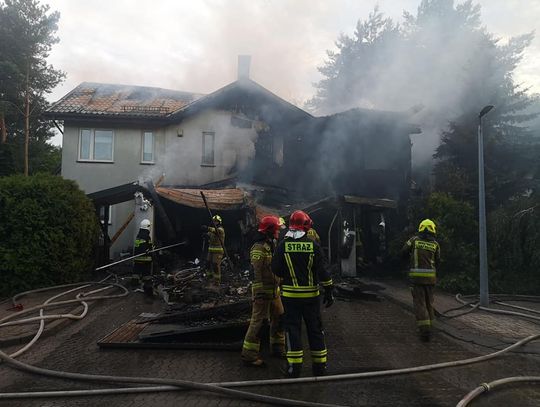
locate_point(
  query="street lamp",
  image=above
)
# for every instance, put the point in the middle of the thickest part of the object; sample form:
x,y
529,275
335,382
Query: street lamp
x,y
484,290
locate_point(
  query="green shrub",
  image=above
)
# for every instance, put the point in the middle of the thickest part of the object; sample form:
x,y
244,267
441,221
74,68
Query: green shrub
x,y
514,242
48,230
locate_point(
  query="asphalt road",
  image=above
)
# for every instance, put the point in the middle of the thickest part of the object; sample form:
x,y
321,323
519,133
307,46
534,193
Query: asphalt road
x,y
361,336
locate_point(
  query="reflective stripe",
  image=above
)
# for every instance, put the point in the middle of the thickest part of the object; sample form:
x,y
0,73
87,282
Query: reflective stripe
x,y
303,288
295,353
251,346
423,322
143,259
291,269
319,352
300,295
327,283
423,274
321,359
310,272
213,249
295,360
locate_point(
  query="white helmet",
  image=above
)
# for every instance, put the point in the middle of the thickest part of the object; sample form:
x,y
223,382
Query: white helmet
x,y
145,224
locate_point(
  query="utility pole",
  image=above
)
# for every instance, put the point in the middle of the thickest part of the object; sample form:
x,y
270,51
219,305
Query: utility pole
x,y
484,280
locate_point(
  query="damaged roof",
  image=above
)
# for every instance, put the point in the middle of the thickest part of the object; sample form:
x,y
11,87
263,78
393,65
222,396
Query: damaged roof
x,y
109,100
99,100
218,199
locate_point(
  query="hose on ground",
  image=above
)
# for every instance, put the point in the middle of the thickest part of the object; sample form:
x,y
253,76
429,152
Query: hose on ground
x,y
223,387
485,387
159,381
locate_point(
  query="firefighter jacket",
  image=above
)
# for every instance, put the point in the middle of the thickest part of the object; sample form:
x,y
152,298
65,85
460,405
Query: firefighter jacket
x,y
264,282
143,243
214,235
301,266
425,257
313,235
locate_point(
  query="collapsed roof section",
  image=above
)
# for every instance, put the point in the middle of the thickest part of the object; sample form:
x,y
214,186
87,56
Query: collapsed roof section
x,y
217,199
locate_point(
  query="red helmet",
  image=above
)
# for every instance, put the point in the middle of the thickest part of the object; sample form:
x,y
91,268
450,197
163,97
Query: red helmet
x,y
300,221
269,225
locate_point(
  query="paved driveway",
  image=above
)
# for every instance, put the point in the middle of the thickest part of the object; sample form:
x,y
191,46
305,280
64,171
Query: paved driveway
x,y
361,336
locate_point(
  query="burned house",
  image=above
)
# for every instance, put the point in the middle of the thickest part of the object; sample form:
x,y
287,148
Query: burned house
x,y
252,151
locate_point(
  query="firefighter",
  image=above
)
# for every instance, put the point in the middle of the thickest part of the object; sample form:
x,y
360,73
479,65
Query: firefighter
x,y
142,265
282,230
299,263
265,295
425,254
216,238
313,235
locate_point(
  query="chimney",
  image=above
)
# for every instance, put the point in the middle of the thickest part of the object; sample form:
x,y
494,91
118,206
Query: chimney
x,y
243,66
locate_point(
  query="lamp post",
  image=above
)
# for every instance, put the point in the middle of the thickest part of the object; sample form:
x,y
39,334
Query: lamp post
x,y
484,281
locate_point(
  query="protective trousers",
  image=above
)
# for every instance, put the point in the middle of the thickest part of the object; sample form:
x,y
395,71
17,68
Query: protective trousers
x,y
309,310
264,309
423,307
214,265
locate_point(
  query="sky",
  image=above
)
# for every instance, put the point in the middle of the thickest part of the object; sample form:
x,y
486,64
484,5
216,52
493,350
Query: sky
x,y
193,45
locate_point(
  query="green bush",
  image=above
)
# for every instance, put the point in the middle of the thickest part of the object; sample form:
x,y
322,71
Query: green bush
x,y
514,242
48,231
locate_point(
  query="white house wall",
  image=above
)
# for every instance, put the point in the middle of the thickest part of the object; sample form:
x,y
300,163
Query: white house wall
x,y
179,158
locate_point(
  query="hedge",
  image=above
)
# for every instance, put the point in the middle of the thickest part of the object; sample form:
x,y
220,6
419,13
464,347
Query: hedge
x,y
48,231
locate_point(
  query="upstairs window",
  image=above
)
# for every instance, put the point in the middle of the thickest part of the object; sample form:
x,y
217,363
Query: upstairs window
x,y
208,141
96,145
147,147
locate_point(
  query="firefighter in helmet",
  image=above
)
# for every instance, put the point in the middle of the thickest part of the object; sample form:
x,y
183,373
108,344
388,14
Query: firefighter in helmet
x,y
299,263
312,234
216,240
425,256
142,265
265,295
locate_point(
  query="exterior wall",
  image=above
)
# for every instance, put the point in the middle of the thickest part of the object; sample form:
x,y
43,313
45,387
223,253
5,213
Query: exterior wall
x,y
179,158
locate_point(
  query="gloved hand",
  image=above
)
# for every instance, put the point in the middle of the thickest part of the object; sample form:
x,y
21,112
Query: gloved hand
x,y
328,299
204,228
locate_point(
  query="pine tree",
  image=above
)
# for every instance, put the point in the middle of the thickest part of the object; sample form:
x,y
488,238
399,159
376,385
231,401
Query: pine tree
x,y
27,34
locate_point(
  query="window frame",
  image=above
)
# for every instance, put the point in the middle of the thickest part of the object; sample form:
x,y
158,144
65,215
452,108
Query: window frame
x,y
203,156
152,161
92,146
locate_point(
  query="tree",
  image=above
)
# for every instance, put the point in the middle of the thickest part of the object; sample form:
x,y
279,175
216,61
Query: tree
x,y
27,34
443,58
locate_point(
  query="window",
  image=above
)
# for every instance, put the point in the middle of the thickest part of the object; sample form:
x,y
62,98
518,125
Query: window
x,y
147,147
208,148
96,145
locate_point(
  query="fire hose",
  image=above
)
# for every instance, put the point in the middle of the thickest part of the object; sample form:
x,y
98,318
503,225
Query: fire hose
x,y
106,266
224,387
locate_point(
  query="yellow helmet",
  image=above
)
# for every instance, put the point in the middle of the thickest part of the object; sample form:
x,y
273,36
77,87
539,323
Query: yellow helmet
x,y
429,225
217,219
282,223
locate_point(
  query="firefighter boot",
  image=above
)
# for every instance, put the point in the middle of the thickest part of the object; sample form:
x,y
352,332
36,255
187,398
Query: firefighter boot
x,y
293,370
319,369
